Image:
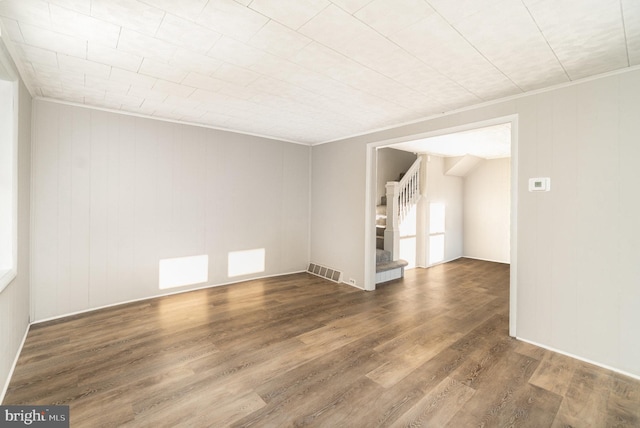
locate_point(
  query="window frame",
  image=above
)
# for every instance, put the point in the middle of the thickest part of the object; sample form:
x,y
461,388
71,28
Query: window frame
x,y
9,140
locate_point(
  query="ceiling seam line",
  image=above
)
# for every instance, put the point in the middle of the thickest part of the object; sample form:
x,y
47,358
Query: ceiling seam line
x,y
624,31
478,50
566,73
417,58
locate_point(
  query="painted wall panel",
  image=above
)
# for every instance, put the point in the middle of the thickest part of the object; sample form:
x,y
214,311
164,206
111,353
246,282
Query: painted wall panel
x,y
577,272
487,211
448,190
14,298
337,208
627,271
114,194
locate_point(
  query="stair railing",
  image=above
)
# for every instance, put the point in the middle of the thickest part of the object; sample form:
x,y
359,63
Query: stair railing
x,y
401,197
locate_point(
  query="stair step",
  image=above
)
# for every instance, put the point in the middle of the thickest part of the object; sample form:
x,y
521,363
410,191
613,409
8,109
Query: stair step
x,y
383,267
382,256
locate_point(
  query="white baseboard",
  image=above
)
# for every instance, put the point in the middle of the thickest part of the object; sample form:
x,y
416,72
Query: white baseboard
x,y
13,366
486,260
161,295
586,360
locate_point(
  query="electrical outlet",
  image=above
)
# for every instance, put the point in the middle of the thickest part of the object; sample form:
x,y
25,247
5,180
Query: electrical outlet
x,y
352,281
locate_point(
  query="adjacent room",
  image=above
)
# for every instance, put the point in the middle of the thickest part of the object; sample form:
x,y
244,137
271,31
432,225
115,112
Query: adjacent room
x,y
320,212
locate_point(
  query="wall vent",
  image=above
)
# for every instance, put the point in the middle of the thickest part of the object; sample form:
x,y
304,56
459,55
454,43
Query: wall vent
x,y
325,272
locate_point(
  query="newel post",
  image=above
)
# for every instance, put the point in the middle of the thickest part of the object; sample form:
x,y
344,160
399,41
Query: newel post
x,y
392,232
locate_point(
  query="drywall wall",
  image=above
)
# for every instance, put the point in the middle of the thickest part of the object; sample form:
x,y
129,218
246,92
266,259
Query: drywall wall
x,y
487,191
577,263
14,299
448,190
338,177
391,163
115,194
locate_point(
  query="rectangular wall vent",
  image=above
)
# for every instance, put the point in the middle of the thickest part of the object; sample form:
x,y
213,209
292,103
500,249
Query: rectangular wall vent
x,y
325,272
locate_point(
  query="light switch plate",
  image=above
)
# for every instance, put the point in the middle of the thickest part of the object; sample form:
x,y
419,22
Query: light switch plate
x,y
540,184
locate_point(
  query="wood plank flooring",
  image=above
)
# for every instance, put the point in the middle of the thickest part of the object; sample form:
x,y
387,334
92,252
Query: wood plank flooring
x,y
429,350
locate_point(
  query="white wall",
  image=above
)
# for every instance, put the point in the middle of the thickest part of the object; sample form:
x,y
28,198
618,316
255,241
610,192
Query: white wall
x,y
391,163
487,199
337,232
14,299
448,190
577,253
114,194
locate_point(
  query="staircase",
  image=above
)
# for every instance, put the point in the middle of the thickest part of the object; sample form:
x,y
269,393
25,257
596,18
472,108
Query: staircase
x,y
403,194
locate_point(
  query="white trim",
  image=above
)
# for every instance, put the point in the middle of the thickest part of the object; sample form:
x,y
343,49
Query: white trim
x,y
513,233
488,103
126,302
13,366
162,119
486,260
370,191
586,360
13,85
440,263
369,219
354,286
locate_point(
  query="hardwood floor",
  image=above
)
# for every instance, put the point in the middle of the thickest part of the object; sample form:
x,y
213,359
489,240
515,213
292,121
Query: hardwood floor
x,y
430,350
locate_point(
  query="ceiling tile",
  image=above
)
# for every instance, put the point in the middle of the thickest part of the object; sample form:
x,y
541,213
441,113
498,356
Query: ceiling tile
x,y
56,77
79,65
586,35
107,84
126,101
229,50
233,74
197,80
338,30
527,59
162,70
170,88
292,13
187,9
37,55
114,57
454,11
186,34
130,14
631,14
147,94
231,19
34,12
142,45
133,79
351,6
390,17
85,27
236,91
12,29
193,61
445,50
279,40
53,41
283,68
81,6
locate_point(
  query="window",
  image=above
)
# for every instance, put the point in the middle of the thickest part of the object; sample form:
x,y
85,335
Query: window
x,y
8,173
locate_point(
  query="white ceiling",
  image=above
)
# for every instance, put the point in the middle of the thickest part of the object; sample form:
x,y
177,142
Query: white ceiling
x,y
490,142
310,71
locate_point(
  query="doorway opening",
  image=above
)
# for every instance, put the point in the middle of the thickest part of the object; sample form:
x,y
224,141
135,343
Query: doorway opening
x,y
468,195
